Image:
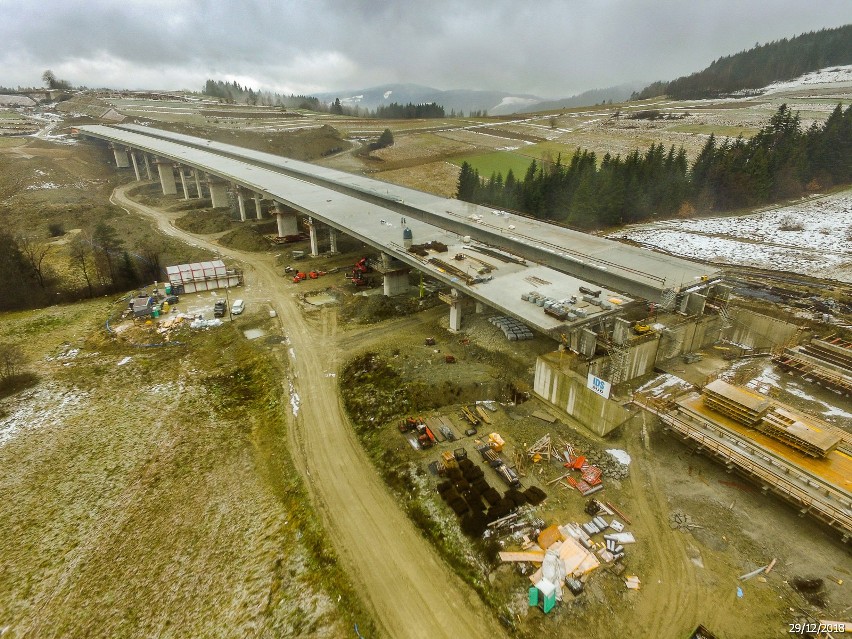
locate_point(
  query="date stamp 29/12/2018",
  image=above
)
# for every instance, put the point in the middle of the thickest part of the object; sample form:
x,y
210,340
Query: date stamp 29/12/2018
x,y
819,627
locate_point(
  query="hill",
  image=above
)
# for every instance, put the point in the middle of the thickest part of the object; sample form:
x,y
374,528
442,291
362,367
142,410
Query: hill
x,y
760,66
619,93
494,102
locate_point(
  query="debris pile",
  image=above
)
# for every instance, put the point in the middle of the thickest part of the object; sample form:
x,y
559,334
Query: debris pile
x,y
565,556
610,466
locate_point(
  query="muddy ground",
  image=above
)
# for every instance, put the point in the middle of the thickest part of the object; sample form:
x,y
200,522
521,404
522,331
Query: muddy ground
x,y
689,573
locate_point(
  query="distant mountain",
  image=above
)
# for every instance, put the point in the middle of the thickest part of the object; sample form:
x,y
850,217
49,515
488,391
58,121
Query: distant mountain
x,y
494,102
760,66
618,93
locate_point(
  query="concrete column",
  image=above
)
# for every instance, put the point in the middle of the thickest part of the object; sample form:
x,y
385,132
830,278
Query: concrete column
x,y
167,178
147,166
286,221
480,307
312,229
259,210
332,240
135,166
198,190
455,312
241,203
218,194
120,158
183,182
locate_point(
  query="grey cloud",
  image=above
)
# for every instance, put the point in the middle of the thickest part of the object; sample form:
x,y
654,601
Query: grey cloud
x,y
551,47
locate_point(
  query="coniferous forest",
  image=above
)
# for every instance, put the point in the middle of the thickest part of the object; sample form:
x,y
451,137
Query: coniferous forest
x,y
783,160
760,66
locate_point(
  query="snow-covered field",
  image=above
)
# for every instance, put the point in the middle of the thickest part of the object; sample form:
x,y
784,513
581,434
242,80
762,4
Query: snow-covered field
x,y
828,76
820,245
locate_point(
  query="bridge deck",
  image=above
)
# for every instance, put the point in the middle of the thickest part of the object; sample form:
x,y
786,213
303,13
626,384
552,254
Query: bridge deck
x,y
634,270
377,227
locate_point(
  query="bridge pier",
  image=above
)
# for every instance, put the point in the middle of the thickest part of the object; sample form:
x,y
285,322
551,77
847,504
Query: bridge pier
x,y
312,230
395,282
287,223
167,177
218,193
147,162
135,165
332,240
241,203
197,174
455,311
183,182
480,307
258,209
120,157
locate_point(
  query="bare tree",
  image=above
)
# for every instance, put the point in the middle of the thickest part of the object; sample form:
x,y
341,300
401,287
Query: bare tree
x,y
35,252
11,360
81,257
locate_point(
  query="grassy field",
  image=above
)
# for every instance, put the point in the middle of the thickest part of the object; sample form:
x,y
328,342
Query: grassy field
x,y
497,162
153,495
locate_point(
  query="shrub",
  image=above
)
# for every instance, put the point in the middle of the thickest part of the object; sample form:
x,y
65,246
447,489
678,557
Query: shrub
x,y
791,223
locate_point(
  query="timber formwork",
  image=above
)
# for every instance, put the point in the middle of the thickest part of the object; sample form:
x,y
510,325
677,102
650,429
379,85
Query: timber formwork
x,y
827,362
819,494
786,427
737,403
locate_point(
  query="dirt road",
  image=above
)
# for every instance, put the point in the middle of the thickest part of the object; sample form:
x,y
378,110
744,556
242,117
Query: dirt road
x,y
403,581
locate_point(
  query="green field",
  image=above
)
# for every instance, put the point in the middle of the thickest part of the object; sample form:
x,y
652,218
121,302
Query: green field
x,y
497,162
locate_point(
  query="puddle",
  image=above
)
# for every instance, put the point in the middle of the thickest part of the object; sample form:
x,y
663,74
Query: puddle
x,y
254,333
321,299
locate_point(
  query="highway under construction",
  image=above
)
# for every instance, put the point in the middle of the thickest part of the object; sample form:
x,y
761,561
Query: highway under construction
x,y
490,256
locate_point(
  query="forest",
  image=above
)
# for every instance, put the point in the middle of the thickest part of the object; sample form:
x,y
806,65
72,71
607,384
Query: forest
x,y
760,66
781,161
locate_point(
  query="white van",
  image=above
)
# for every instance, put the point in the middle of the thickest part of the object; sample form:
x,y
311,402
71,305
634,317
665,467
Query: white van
x,y
237,307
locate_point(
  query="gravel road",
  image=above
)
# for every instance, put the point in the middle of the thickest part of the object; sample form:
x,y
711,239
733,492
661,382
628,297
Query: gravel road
x,y
403,581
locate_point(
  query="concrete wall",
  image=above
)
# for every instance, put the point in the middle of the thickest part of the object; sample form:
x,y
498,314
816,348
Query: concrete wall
x,y
688,337
567,391
641,358
758,331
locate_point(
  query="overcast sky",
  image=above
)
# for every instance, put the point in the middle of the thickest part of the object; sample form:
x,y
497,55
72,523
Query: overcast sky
x,y
551,48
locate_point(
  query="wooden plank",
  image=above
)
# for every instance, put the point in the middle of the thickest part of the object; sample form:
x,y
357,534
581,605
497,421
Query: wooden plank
x,y
535,557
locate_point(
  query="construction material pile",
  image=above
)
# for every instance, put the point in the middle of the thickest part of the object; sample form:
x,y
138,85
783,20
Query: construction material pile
x,y
512,328
466,491
565,556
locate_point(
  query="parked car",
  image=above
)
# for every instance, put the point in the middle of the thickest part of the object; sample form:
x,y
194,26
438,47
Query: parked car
x,y
171,299
220,308
237,307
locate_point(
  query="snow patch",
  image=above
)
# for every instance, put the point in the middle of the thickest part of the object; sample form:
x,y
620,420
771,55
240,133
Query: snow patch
x,y
621,456
124,361
44,406
295,400
757,239
387,94
829,75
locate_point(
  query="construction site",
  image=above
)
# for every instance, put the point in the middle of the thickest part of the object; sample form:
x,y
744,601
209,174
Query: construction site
x,y
590,435
602,319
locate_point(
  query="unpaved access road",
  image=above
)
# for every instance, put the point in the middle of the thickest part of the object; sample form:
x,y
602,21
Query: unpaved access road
x,y
403,581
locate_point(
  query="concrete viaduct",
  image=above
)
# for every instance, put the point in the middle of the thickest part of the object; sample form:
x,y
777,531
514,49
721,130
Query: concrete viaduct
x,y
523,254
